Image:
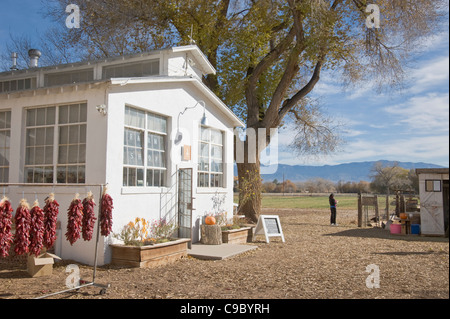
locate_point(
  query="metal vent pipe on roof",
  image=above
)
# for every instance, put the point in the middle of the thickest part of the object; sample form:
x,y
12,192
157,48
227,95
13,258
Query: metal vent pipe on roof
x,y
34,55
14,57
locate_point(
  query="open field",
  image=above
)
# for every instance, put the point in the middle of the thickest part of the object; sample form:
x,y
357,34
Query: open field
x,y
317,261
315,201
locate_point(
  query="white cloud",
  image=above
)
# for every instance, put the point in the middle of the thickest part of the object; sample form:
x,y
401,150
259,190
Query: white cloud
x,y
430,75
423,114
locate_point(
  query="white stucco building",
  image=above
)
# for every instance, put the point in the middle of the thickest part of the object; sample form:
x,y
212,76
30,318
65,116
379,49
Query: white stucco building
x,y
68,128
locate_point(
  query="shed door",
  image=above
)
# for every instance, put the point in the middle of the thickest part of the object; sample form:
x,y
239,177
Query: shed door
x,y
185,203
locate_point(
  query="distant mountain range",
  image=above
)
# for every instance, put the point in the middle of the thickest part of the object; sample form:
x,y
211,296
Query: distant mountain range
x,y
350,172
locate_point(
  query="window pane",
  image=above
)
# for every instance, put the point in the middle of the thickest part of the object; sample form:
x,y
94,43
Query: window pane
x,y
74,132
74,113
29,157
64,135
49,155
83,132
140,177
31,117
49,132
149,177
81,174
39,155
40,117
48,175
125,176
63,155
131,177
29,172
83,112
72,174
73,154
216,137
40,136
64,114
51,115
61,174
157,177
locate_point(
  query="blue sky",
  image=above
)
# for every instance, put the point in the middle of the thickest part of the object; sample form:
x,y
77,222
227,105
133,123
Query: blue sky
x,y
410,125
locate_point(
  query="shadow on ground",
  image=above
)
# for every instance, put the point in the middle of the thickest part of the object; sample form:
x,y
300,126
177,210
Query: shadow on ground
x,y
384,234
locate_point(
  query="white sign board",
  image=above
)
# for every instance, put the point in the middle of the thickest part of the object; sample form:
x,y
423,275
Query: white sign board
x,y
269,226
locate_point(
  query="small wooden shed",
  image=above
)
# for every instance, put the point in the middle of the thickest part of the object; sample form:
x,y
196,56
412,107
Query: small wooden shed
x,y
434,198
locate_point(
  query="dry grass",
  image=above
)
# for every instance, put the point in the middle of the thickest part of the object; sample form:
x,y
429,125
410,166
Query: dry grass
x,y
317,261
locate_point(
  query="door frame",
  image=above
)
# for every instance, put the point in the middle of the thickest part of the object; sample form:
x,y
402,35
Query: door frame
x,y
189,205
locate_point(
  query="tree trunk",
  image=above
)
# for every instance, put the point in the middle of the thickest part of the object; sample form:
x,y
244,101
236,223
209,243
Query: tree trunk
x,y
249,189
211,235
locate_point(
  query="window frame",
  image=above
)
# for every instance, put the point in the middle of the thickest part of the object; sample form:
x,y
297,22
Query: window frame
x,y
52,164
210,178
147,134
433,185
5,128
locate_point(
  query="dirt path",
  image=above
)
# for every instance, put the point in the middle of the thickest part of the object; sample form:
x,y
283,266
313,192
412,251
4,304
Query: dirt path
x,y
318,261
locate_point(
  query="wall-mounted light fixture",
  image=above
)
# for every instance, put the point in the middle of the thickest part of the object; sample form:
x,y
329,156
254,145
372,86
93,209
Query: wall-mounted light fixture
x,y
102,109
203,121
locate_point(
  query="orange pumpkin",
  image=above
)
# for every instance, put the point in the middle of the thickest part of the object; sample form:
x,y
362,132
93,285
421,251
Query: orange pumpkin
x,y
209,220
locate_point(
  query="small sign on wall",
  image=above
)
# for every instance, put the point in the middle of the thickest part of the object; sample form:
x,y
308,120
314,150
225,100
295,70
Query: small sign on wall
x,y
186,149
269,226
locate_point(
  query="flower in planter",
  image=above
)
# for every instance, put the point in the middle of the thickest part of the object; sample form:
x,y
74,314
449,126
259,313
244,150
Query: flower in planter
x,y
162,231
134,233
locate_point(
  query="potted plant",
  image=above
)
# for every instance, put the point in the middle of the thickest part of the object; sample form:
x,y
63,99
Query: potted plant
x,y
237,232
148,244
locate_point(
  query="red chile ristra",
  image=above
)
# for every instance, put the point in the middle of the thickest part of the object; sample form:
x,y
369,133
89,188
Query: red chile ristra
x,y
75,220
106,214
37,229
88,217
23,226
6,236
51,211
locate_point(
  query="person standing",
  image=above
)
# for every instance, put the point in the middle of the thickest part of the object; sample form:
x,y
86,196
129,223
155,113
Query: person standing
x,y
333,205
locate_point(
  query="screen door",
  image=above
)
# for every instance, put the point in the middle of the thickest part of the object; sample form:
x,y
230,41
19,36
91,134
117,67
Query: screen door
x,y
185,203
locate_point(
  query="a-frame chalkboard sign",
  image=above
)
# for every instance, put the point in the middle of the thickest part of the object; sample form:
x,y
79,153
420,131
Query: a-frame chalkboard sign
x,y
269,226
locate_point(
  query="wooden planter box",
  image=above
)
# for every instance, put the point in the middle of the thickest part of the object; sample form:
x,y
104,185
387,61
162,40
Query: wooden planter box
x,y
149,256
236,236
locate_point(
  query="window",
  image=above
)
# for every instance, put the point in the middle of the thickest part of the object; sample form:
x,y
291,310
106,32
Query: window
x,y
432,185
62,78
5,135
144,149
17,85
210,158
68,124
138,69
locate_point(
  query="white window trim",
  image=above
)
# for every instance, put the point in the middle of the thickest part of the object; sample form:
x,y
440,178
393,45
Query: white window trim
x,y
56,125
207,189
145,188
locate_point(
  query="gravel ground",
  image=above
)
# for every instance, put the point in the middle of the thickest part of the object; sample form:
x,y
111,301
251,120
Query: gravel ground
x,y
317,261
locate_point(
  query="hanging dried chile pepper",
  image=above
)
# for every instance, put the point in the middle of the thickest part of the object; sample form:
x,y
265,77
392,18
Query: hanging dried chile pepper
x,y
106,214
23,225
6,236
37,229
88,217
51,211
75,220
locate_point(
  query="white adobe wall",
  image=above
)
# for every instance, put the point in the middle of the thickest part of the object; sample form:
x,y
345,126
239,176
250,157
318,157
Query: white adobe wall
x,y
168,99
95,160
